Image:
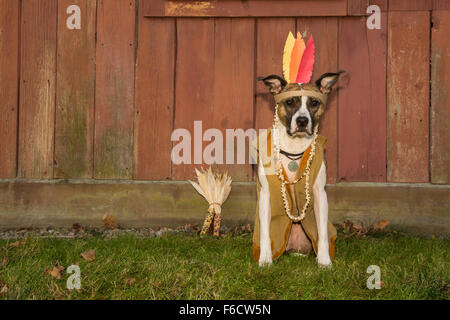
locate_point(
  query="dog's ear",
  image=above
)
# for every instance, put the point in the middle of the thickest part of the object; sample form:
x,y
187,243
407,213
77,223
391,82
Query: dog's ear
x,y
274,82
326,82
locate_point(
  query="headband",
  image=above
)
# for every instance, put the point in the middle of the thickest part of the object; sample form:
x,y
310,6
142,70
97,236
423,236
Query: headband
x,y
301,93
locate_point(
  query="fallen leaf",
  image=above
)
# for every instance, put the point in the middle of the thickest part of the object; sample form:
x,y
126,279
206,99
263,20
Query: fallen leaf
x,y
3,262
447,288
360,228
130,281
3,289
88,255
56,271
108,221
156,283
381,225
18,243
77,227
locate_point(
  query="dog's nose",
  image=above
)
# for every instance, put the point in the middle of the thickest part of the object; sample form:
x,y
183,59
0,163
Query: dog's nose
x,y
302,122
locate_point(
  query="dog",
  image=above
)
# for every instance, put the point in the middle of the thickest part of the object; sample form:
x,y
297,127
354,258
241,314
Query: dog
x,y
298,117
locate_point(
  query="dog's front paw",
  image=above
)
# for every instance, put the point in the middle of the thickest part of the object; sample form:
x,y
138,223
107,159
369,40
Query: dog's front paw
x,y
323,256
265,259
324,261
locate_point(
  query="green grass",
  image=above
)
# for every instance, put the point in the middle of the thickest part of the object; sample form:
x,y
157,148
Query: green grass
x,y
188,267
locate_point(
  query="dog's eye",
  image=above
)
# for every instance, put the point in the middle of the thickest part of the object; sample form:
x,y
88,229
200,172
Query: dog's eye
x,y
289,102
314,103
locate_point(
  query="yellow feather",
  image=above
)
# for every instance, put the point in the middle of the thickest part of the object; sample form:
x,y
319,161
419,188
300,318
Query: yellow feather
x,y
290,41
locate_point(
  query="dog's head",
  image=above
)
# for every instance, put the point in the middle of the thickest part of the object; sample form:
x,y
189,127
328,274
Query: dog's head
x,y
301,105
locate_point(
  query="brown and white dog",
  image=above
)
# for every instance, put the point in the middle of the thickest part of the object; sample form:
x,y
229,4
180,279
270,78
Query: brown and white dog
x,y
298,118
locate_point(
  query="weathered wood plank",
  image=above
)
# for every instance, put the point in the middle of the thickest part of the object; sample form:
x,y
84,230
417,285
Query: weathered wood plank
x,y
271,37
37,89
75,90
249,8
359,7
362,101
194,86
234,81
9,85
408,96
410,5
155,72
440,100
114,94
441,5
325,32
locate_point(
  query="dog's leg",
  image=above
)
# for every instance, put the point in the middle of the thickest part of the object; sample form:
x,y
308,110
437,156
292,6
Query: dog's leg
x,y
321,214
265,256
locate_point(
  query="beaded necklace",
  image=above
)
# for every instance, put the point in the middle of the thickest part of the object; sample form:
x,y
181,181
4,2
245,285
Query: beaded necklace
x,y
279,170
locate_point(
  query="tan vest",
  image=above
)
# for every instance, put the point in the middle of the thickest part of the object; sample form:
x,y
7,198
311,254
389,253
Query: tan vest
x,y
280,224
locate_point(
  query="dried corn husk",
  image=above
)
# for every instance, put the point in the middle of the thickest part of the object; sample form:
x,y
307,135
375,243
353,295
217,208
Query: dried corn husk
x,y
215,188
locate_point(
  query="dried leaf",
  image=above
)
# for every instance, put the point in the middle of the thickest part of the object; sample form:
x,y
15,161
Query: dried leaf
x,y
3,289
56,271
18,243
88,255
3,262
109,222
360,228
130,281
77,227
381,225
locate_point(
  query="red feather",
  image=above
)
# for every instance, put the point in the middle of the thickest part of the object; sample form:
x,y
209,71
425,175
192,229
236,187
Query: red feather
x,y
306,66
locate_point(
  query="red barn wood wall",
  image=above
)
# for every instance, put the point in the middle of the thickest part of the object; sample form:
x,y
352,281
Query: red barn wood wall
x,y
9,79
37,89
440,100
114,91
103,101
75,93
408,96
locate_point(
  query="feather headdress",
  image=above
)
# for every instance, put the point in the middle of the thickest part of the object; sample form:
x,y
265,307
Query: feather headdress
x,y
298,59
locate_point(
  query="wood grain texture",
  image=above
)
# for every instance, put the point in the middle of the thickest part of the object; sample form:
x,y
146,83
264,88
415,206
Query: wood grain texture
x,y
359,7
155,72
440,100
194,85
410,5
408,96
234,79
271,37
441,5
9,85
325,32
362,101
248,8
37,89
114,94
75,93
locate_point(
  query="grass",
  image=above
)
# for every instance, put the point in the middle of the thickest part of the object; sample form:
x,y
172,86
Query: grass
x,y
185,266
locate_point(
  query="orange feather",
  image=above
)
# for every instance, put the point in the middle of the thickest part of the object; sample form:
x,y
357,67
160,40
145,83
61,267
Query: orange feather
x,y
296,57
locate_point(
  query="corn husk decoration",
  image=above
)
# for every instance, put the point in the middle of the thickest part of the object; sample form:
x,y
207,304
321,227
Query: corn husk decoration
x,y
215,188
